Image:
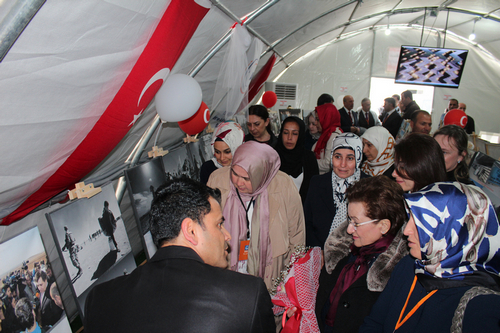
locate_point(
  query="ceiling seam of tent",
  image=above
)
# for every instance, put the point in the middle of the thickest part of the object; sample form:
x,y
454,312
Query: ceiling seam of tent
x,y
388,15
255,14
479,16
312,21
350,19
393,12
223,41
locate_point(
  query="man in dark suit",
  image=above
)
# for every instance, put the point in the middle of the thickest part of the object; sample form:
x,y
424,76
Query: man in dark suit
x,y
392,120
366,117
185,287
48,312
348,117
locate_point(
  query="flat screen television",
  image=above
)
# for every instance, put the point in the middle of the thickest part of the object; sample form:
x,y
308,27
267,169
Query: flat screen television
x,y
431,66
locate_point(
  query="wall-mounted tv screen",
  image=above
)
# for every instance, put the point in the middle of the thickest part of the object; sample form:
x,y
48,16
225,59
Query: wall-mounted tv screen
x,y
431,66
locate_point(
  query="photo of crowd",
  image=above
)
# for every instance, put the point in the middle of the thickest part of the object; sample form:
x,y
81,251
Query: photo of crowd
x,y
29,297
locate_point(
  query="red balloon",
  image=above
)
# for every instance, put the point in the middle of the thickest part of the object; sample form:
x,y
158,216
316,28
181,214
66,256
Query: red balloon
x,y
196,123
269,99
455,117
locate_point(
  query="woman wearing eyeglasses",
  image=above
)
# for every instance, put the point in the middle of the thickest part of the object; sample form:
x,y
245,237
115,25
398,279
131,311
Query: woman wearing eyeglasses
x,y
451,281
361,254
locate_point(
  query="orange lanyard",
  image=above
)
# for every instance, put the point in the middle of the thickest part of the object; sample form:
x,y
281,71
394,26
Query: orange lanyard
x,y
415,308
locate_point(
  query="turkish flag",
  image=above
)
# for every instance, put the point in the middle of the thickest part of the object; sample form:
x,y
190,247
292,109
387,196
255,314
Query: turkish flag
x,y
166,44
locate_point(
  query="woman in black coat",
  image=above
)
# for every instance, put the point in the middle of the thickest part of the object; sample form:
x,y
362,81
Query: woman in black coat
x,y
296,161
325,207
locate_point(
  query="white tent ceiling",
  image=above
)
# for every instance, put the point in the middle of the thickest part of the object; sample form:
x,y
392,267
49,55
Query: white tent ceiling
x,y
70,61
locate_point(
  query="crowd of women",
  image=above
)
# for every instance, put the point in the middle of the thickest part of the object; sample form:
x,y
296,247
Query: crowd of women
x,y
410,245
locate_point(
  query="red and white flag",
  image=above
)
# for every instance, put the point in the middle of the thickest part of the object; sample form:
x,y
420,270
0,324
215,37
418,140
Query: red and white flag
x,y
166,44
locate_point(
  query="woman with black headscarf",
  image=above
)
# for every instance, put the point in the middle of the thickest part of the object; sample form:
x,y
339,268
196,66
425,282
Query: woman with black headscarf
x,y
296,161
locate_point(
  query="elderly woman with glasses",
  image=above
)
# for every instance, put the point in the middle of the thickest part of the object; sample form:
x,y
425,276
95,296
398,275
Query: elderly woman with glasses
x,y
361,254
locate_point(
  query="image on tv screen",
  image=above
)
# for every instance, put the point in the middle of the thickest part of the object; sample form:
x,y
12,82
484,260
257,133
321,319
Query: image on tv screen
x,y
431,66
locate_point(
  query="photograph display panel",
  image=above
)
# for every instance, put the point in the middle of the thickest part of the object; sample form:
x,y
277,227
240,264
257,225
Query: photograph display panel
x,y
28,284
90,237
142,182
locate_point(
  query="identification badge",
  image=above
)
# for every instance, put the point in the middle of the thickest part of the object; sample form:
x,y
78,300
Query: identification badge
x,y
244,250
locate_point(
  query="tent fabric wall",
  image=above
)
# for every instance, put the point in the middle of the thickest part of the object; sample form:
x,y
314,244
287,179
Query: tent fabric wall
x,y
335,70
56,54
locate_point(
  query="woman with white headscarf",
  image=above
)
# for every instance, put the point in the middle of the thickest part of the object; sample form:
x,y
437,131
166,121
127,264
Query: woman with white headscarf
x,y
378,147
226,138
451,281
326,203
262,209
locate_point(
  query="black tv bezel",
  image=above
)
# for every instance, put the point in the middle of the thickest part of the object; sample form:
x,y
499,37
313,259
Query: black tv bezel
x,y
431,84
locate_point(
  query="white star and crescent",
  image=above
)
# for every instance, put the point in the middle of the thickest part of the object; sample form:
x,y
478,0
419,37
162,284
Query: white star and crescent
x,y
160,75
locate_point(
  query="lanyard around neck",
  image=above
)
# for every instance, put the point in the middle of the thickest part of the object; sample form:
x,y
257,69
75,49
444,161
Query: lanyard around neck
x,y
415,308
246,211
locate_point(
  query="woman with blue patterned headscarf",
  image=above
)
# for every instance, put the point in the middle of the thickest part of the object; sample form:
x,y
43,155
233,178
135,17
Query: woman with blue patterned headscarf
x,y
454,239
326,203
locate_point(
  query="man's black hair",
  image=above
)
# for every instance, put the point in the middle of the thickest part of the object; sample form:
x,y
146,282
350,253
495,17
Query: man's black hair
x,y
391,100
324,98
415,114
176,200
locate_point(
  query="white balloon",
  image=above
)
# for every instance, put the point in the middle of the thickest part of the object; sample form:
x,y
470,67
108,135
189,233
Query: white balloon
x,y
178,98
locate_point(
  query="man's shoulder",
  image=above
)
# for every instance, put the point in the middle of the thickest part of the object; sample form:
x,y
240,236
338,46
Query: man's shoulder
x,y
176,262
395,115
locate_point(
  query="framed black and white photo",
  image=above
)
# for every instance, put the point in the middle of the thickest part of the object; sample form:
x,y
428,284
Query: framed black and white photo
x,y
178,162
142,181
90,237
27,282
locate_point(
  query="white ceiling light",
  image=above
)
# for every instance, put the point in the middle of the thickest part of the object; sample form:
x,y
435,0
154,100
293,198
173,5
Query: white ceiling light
x,y
387,30
472,36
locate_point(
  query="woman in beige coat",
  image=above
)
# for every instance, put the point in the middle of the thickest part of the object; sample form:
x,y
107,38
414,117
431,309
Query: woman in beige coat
x,y
262,211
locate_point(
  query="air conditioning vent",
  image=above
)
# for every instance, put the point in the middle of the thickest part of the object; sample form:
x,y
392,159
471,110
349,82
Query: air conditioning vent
x,y
286,93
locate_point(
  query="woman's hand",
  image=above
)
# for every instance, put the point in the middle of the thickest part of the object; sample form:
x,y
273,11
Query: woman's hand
x,y
290,312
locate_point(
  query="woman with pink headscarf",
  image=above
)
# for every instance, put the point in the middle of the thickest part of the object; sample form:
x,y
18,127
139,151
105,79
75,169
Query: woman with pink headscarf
x,y
262,209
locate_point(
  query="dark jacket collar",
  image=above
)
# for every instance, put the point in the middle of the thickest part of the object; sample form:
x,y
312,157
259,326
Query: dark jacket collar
x,y
175,252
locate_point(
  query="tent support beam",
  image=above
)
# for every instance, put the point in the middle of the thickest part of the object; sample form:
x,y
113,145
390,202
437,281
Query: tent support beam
x,y
252,17
136,155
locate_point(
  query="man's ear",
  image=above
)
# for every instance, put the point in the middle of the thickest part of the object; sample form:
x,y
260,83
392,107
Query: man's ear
x,y
189,230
